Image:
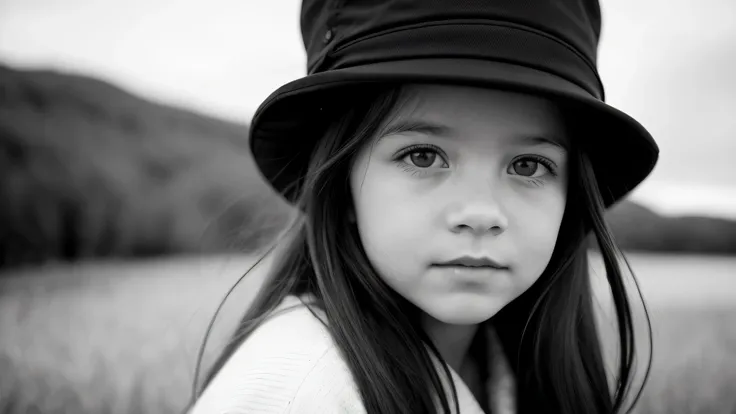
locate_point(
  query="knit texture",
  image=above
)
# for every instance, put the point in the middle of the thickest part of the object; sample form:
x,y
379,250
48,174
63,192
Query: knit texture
x,y
290,364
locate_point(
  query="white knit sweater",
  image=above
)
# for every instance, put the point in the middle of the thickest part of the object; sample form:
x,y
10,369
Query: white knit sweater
x,y
290,364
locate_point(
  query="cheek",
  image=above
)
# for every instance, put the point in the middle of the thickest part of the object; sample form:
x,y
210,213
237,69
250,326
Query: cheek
x,y
537,236
390,228
390,222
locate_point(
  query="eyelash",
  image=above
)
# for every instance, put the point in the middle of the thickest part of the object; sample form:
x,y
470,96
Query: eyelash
x,y
549,165
419,148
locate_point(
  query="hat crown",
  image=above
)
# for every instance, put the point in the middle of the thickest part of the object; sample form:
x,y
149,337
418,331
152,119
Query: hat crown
x,y
329,25
545,48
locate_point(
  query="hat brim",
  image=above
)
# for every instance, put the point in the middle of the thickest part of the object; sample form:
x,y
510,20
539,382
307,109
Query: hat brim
x,y
283,130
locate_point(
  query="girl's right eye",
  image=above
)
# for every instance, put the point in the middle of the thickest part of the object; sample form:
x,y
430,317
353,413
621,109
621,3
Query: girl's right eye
x,y
422,157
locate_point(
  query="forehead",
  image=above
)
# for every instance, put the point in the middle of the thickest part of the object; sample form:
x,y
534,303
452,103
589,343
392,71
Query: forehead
x,y
480,111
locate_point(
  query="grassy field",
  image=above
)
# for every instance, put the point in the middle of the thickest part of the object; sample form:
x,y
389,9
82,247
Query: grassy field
x,y
122,337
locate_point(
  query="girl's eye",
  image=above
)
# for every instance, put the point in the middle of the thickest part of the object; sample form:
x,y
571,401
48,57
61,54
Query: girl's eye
x,y
531,167
423,157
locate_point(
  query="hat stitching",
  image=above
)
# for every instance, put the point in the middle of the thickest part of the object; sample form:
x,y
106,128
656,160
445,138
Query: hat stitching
x,y
330,26
333,18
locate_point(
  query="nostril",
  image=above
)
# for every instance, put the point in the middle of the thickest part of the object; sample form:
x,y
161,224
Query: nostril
x,y
479,229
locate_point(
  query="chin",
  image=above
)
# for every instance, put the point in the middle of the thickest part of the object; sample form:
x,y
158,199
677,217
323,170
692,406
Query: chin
x,y
467,312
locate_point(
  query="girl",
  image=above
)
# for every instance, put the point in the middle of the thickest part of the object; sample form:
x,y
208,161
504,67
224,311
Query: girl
x,y
448,160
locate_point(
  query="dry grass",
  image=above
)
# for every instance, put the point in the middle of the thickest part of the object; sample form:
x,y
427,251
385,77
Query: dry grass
x,y
111,337
122,337
694,365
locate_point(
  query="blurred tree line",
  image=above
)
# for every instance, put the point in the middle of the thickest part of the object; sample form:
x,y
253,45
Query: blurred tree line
x,y
89,170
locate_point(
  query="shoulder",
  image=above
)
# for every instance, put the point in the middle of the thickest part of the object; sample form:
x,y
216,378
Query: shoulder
x,y
290,364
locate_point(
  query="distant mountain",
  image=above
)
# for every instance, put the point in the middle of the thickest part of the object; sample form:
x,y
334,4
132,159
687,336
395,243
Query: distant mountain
x,y
638,228
90,170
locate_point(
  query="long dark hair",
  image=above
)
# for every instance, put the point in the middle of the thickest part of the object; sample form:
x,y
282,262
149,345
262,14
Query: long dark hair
x,y
549,333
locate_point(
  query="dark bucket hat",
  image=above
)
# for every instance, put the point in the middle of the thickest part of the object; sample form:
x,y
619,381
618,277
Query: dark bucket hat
x,y
541,47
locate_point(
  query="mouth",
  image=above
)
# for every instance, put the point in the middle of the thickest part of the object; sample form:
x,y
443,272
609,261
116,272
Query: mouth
x,y
473,262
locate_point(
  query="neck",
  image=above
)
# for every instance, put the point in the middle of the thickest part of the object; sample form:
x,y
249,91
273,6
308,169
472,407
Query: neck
x,y
452,341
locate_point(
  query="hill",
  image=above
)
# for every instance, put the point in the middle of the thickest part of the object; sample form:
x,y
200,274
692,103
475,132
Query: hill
x,y
638,228
89,170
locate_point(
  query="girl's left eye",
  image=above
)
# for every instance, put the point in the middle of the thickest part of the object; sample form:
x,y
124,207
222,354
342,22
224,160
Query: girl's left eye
x,y
531,167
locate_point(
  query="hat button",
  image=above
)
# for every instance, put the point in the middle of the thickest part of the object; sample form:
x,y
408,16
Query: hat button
x,y
328,36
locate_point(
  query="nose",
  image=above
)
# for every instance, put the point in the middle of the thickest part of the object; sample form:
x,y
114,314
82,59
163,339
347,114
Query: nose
x,y
478,218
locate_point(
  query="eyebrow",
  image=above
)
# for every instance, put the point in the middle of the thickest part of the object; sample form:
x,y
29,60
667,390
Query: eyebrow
x,y
417,125
445,131
539,140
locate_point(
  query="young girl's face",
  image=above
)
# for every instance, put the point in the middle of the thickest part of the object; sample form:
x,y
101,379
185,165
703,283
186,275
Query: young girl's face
x,y
462,172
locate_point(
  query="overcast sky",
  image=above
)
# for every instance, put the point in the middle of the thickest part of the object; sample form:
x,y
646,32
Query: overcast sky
x,y
668,63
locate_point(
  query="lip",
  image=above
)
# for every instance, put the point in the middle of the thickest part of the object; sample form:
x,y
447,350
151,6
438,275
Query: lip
x,y
469,261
